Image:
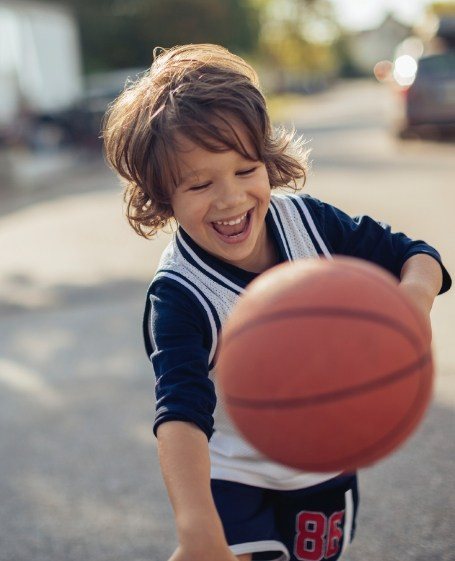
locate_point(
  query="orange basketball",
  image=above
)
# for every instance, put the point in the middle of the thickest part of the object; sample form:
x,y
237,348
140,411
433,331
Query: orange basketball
x,y
325,365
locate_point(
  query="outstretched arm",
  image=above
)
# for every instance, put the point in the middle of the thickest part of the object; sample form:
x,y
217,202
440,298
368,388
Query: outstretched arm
x,y
421,279
185,464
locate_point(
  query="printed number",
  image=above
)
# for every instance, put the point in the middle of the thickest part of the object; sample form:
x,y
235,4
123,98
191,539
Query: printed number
x,y
310,539
318,538
335,534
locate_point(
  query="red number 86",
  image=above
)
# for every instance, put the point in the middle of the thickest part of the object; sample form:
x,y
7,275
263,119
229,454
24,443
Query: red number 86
x,y
318,537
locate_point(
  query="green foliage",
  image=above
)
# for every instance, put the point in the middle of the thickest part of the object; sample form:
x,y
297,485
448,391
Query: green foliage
x,y
123,33
297,36
445,8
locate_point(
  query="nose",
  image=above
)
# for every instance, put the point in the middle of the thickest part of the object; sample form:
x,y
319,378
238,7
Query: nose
x,y
229,195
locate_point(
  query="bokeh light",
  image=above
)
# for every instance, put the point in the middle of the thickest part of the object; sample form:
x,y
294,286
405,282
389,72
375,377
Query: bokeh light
x,y
404,70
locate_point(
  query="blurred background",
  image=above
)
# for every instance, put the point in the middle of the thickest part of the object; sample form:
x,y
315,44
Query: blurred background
x,y
371,85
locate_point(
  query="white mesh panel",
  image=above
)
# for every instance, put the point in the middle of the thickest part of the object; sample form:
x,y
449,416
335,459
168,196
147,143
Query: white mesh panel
x,y
232,457
298,237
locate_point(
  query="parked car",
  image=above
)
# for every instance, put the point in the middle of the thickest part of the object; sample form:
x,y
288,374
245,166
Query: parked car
x,y
79,124
427,105
101,89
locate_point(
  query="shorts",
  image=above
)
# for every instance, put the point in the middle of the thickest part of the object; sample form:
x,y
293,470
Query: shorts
x,y
308,524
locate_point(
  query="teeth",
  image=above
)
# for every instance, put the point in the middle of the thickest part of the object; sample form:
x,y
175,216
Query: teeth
x,y
232,222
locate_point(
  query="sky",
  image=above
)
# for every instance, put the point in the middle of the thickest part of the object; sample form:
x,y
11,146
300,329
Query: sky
x,y
363,14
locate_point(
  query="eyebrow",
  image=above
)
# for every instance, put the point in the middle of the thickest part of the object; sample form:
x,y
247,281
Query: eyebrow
x,y
191,175
195,174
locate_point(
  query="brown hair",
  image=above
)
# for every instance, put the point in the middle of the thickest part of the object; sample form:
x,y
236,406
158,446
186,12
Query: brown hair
x,y
193,90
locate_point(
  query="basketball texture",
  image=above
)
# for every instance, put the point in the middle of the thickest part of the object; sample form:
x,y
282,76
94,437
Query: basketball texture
x,y
325,365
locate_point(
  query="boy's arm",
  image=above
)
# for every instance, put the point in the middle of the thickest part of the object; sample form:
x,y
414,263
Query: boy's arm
x,y
421,279
366,238
185,464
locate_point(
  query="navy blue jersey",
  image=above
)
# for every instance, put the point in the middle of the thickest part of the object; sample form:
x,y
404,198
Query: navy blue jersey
x,y
193,293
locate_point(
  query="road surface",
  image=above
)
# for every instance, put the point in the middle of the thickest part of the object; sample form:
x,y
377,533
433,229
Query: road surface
x,y
80,478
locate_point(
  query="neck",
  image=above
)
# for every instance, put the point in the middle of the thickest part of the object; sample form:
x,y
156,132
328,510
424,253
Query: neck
x,y
268,256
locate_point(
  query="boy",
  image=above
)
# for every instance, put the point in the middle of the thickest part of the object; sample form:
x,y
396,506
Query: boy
x,y
193,141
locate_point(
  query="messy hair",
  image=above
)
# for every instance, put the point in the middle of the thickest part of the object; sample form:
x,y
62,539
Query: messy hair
x,y
196,91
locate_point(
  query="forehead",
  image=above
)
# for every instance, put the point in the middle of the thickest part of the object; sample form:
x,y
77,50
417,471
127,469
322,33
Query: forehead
x,y
194,151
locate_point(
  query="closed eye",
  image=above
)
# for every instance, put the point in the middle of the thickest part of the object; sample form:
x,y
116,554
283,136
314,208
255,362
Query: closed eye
x,y
199,187
246,171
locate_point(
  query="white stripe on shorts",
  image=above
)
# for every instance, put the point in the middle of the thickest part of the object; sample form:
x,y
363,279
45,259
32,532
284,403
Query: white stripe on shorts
x,y
348,518
262,546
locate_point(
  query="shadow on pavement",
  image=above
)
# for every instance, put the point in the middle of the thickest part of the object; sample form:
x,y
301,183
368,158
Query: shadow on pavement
x,y
90,174
80,476
26,296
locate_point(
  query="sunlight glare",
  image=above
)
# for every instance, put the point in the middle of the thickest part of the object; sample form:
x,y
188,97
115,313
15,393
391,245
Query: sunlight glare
x,y
404,70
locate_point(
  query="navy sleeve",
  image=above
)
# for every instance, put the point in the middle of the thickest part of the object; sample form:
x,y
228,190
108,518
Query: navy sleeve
x,y
366,238
176,337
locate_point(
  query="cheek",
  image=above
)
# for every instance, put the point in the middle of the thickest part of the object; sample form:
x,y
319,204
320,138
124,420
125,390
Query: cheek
x,y
264,180
189,211
266,190
178,210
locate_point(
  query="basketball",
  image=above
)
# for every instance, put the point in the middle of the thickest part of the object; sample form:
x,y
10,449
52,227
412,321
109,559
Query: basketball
x,y
325,365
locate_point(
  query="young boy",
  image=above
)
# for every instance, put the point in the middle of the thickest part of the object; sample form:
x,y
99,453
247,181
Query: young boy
x,y
193,141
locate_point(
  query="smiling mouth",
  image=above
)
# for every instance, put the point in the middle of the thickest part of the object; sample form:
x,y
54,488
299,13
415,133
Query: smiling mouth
x,y
233,228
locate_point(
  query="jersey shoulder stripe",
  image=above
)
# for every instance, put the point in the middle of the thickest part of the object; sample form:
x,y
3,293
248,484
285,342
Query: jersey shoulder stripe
x,y
205,269
308,221
296,230
212,316
279,226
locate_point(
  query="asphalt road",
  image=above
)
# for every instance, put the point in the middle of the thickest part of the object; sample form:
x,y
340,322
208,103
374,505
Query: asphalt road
x,y
79,474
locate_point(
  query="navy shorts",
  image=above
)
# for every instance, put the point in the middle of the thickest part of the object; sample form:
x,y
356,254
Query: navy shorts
x,y
308,524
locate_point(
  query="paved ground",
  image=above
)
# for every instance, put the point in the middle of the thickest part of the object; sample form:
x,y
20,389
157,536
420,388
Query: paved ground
x,y
80,479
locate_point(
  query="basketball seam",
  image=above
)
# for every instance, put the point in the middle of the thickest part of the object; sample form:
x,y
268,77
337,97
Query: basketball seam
x,y
387,442
322,312
373,277
405,422
330,396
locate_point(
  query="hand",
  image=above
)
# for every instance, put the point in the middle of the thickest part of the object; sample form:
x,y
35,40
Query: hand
x,y
195,554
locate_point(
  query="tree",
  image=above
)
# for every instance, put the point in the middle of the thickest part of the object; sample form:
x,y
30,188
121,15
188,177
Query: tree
x,y
297,35
441,9
123,33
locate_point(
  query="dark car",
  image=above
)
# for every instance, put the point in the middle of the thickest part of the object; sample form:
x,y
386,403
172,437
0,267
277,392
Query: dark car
x,y
79,125
429,102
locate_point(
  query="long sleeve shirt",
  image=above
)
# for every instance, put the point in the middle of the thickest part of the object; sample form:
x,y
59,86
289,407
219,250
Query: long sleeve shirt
x,y
192,295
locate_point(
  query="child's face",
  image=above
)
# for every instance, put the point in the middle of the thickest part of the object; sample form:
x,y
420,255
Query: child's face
x,y
221,187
